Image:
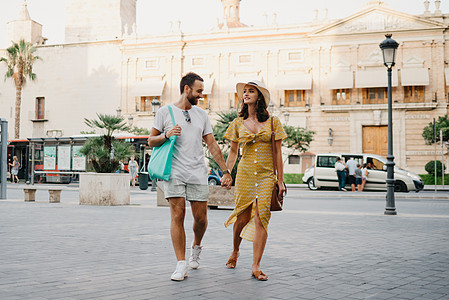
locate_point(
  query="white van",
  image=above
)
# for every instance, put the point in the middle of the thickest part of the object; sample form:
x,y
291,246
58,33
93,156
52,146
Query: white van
x,y
325,175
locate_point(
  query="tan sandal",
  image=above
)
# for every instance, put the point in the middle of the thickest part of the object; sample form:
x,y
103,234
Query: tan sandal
x,y
232,261
257,275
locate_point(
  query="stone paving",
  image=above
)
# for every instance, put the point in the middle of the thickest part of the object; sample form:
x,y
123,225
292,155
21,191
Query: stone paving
x,y
322,246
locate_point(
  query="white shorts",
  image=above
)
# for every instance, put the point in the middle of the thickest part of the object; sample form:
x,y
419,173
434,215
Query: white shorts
x,y
175,188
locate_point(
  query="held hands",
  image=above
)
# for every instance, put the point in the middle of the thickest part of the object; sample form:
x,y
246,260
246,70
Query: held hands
x,y
226,181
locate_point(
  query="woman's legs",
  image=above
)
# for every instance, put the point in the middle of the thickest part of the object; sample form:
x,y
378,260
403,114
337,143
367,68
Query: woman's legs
x,y
260,240
242,220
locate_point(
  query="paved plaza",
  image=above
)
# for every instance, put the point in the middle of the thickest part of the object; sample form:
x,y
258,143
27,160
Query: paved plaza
x,y
324,245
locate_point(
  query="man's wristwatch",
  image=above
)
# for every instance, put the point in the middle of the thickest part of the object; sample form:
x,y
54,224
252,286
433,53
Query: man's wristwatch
x,y
226,172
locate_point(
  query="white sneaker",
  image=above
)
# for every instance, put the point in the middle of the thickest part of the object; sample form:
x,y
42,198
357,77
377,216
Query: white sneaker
x,y
181,271
194,260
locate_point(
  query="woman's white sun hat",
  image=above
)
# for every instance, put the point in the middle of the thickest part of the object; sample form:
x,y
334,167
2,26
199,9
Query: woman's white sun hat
x,y
258,85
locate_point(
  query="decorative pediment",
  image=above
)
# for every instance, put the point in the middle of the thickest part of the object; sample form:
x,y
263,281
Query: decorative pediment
x,y
341,65
413,62
374,59
377,19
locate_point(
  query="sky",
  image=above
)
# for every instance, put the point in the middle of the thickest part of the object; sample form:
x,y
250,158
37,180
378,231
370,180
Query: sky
x,y
153,16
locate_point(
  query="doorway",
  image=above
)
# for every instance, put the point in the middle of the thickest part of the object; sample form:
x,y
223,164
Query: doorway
x,y
375,140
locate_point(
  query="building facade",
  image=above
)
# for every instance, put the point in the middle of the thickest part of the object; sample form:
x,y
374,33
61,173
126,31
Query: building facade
x,y
326,76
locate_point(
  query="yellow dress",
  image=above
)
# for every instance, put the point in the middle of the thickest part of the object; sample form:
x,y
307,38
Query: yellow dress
x,y
255,178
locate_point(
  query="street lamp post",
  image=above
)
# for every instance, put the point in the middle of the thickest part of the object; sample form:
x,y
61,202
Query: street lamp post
x,y
389,47
155,105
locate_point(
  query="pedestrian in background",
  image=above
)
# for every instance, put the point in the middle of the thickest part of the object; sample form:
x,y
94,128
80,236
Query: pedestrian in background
x,y
15,169
364,175
340,166
133,166
255,178
358,177
352,165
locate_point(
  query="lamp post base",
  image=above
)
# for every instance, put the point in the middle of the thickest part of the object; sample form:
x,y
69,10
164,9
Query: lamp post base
x,y
390,211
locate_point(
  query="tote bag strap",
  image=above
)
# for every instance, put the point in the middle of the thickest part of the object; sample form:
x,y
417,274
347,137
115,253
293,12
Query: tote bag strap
x,y
171,114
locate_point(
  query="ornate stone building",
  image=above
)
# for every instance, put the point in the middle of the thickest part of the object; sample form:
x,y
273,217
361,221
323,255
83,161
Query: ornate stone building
x,y
326,75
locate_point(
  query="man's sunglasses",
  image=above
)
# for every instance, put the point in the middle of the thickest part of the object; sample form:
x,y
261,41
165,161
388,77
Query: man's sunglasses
x,y
187,116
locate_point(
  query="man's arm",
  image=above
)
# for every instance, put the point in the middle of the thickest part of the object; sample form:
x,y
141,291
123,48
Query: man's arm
x,y
215,150
156,138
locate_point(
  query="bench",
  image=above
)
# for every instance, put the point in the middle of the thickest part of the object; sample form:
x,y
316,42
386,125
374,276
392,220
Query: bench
x,y
30,194
54,195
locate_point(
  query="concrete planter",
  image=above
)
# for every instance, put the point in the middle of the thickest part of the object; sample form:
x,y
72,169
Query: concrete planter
x,y
106,189
218,196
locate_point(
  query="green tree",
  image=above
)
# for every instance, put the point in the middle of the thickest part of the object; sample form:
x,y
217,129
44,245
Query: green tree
x,y
105,152
441,124
430,167
298,138
20,59
139,131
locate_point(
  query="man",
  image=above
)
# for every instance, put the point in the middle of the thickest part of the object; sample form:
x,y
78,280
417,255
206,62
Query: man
x,y
352,165
341,174
188,180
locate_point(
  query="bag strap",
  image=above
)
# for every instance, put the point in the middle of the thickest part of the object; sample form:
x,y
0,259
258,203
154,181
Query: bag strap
x,y
273,149
171,114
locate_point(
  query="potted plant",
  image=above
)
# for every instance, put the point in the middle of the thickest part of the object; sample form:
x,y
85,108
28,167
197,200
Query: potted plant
x,y
105,186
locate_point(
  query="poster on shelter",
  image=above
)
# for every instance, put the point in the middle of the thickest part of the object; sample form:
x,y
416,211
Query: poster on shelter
x,y
63,157
50,158
78,159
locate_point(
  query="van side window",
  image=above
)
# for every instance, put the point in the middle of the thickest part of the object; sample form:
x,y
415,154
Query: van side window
x,y
326,161
377,164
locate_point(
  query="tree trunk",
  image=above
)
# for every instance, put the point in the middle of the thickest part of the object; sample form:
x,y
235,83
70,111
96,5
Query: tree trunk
x,y
19,80
17,121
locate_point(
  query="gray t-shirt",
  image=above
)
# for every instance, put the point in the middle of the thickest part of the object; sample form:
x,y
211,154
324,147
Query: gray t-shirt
x,y
352,165
358,173
188,154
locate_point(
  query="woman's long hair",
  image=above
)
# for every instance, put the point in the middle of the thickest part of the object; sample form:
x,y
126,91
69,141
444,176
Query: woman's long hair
x,y
261,109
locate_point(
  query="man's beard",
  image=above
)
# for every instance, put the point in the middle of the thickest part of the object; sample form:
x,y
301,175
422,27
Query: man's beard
x,y
192,100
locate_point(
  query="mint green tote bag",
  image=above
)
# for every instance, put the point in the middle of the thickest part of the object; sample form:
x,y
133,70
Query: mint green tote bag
x,y
161,158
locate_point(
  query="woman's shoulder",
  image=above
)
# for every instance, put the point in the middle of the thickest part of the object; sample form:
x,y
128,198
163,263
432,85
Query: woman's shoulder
x,y
238,120
275,119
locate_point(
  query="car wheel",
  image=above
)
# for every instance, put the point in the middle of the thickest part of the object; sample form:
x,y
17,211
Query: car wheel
x,y
311,184
399,186
212,181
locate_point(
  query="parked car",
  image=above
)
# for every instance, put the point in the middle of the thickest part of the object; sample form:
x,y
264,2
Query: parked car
x,y
308,178
325,175
214,177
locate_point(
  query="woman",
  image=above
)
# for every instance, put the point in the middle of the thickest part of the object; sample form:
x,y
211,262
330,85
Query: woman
x,y
364,176
133,166
15,169
340,166
255,179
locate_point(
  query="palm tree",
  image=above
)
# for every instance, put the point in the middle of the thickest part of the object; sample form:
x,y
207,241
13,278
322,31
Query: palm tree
x,y
104,151
20,60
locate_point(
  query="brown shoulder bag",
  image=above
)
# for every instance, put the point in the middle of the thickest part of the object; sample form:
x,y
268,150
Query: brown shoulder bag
x,y
276,200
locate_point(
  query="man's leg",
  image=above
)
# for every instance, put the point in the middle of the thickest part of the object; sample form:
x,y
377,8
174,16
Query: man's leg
x,y
340,180
199,212
352,183
178,235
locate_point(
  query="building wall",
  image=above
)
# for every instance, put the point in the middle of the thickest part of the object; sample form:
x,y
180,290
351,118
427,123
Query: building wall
x,y
99,20
81,79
